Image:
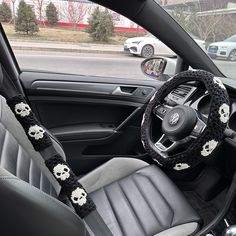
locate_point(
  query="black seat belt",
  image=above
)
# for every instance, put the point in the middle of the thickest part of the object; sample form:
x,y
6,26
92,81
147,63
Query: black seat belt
x,y
97,225
41,141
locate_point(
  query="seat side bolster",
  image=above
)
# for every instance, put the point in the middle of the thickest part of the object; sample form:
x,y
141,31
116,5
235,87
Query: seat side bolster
x,y
10,123
180,230
22,203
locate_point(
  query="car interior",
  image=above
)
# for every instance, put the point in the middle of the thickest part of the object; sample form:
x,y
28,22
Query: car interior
x,y
156,157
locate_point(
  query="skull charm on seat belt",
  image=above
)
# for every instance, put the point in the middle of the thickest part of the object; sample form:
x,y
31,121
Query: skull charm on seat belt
x,y
36,132
61,172
22,109
79,196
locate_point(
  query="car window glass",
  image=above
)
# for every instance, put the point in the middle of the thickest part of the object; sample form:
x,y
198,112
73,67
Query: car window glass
x,y
212,25
77,37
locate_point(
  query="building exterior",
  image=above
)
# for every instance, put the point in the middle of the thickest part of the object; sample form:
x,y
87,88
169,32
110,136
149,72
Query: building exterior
x,y
196,5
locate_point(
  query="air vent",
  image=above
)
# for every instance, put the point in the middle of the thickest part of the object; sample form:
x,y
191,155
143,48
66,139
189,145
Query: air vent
x,y
181,92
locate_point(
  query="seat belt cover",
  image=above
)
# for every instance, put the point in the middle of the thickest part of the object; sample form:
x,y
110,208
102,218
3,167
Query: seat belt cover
x,y
36,134
60,169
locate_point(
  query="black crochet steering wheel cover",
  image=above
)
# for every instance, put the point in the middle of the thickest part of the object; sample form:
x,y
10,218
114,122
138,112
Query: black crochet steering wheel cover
x,y
213,131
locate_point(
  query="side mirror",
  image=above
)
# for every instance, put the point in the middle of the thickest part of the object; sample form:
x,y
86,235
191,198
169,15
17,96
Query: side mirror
x,y
154,67
159,68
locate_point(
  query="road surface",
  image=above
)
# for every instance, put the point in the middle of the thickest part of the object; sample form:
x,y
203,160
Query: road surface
x,y
123,66
108,65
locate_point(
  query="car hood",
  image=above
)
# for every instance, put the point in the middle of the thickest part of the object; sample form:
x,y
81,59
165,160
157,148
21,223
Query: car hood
x,y
199,41
139,39
223,43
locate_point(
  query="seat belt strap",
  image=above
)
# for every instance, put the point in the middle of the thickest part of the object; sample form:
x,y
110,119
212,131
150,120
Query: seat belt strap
x,y
97,225
94,221
60,169
41,141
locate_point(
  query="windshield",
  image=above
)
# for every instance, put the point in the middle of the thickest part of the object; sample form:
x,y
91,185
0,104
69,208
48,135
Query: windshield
x,y
211,24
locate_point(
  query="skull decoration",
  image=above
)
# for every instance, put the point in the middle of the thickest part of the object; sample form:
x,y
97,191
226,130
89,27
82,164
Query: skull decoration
x,y
218,82
36,132
181,166
224,113
61,172
79,196
22,109
208,148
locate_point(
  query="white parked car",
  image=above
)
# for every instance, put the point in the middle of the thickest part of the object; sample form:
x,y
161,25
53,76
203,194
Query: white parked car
x,y
149,45
225,49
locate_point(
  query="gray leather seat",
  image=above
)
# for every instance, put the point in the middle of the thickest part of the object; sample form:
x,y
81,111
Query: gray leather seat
x,y
135,198
132,197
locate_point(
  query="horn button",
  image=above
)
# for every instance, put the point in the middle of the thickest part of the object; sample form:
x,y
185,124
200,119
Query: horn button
x,y
179,122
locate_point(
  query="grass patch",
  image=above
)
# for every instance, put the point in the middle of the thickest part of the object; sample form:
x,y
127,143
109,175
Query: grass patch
x,y
60,34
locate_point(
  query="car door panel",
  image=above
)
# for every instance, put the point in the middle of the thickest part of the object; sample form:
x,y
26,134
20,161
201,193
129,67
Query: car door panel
x,y
94,118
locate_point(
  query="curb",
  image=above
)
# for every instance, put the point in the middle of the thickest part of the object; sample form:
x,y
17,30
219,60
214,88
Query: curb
x,y
74,50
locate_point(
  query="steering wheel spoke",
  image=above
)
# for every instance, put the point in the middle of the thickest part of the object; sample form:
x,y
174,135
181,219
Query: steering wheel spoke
x,y
164,145
161,110
198,128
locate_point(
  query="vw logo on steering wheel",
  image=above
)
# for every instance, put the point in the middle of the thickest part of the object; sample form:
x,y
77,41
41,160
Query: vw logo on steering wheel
x,y
174,119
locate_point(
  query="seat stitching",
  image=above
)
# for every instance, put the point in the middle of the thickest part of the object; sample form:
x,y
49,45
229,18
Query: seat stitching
x,y
144,197
41,181
46,184
30,166
4,140
131,207
18,147
1,109
8,177
168,204
113,210
27,162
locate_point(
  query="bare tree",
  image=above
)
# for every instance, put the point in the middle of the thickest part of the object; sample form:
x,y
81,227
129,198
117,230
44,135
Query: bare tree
x,y
13,11
75,12
38,5
207,20
205,25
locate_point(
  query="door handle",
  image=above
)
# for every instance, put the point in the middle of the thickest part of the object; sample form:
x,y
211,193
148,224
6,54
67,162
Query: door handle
x,y
124,91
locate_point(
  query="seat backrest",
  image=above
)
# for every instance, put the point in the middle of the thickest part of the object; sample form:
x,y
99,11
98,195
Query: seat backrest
x,y
18,155
28,190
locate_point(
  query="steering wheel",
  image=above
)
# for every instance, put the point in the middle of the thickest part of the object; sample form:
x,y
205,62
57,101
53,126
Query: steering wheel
x,y
187,138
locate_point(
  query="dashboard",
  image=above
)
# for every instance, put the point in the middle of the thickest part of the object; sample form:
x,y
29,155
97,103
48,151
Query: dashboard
x,y
195,95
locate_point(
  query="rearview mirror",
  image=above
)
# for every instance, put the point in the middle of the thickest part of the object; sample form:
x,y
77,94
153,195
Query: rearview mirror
x,y
154,67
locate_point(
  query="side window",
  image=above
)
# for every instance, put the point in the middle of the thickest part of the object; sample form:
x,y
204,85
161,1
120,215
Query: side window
x,y
77,37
